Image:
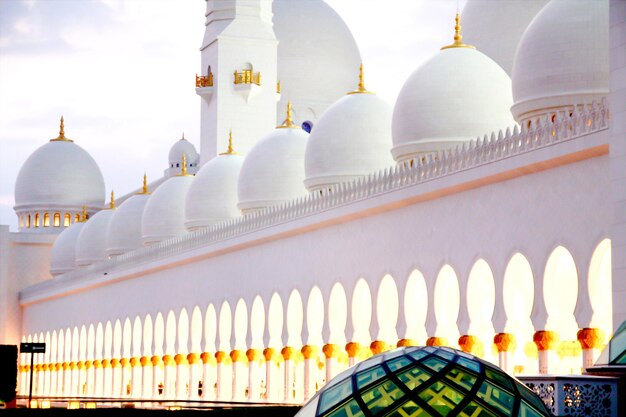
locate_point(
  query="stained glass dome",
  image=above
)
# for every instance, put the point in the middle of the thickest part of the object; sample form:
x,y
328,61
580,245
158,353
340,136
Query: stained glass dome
x,y
423,382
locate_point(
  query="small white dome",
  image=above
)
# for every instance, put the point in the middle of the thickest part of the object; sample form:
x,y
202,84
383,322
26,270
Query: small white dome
x,y
317,56
59,176
164,213
63,253
457,95
212,197
273,171
124,232
562,59
91,242
183,146
352,139
495,27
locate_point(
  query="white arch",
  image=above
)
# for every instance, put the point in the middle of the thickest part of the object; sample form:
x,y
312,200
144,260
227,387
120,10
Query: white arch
x,y
91,342
225,327
600,288
147,335
481,300
295,318
82,353
210,328
275,321
241,324
518,291
183,332
108,339
159,334
196,330
99,352
361,312
170,333
315,317
257,323
117,340
387,307
137,337
75,345
560,293
337,314
127,337
447,304
416,307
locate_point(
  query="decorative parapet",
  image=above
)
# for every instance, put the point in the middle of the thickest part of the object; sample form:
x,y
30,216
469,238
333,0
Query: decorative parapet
x,y
247,77
475,153
576,396
204,80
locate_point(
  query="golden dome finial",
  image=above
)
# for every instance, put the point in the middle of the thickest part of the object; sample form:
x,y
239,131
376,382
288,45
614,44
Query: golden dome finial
x,y
183,138
112,202
83,216
458,38
144,190
183,168
61,137
288,121
361,88
230,150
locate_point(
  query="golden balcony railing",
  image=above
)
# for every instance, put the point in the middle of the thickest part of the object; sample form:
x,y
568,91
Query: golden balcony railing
x,y
204,80
247,77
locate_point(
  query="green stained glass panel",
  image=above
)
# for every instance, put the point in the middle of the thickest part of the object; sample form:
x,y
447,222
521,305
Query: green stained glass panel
x,y
441,397
435,364
496,397
396,364
461,378
527,411
408,409
475,410
382,396
445,354
335,395
531,398
413,377
499,378
471,365
419,354
369,375
349,409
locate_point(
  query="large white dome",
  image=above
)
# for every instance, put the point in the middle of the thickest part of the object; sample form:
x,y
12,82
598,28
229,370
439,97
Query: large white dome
x,y
124,232
352,139
91,242
562,59
212,197
317,56
63,253
495,27
457,95
164,213
60,176
273,171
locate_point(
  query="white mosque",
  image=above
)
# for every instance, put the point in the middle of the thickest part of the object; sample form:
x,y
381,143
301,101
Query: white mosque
x,y
484,210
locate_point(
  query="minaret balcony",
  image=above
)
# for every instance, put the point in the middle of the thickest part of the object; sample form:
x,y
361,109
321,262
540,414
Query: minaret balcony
x,y
204,86
247,84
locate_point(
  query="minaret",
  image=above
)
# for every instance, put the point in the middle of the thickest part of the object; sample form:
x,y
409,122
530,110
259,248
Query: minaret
x,y
237,81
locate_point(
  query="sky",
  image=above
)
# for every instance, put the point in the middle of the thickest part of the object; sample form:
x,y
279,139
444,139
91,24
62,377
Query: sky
x,y
122,74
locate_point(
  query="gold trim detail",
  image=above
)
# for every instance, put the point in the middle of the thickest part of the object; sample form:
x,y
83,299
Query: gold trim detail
x,y
230,150
458,38
204,80
247,76
288,124
112,202
61,137
361,87
144,189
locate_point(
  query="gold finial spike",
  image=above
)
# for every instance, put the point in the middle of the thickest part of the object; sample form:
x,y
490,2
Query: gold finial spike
x,y
61,137
230,150
183,136
145,184
112,202
83,217
361,88
183,169
289,120
458,38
